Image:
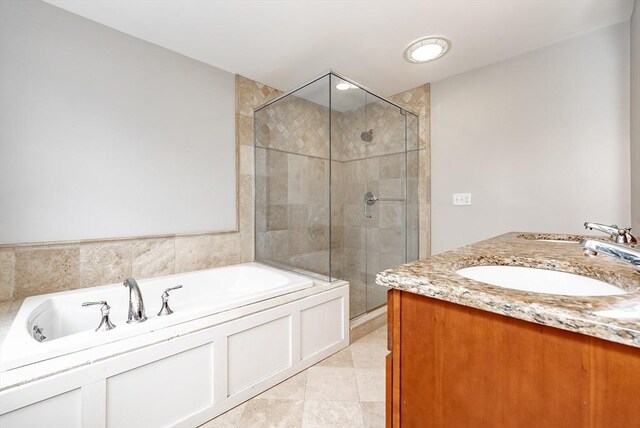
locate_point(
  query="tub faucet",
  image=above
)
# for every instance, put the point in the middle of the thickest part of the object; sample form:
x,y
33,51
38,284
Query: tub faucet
x,y
618,235
136,305
621,252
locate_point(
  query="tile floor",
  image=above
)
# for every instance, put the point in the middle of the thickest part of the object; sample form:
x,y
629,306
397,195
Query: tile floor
x,y
344,390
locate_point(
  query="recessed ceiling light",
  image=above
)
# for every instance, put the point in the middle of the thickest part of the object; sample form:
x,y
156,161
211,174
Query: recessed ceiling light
x,y
343,86
427,49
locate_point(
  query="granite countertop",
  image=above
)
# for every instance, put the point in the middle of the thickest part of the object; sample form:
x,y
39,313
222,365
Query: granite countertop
x,y
435,277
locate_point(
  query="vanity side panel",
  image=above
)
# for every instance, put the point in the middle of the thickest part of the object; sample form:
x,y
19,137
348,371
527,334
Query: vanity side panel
x,y
615,379
392,361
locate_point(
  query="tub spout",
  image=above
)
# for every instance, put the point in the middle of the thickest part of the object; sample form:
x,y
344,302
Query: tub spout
x,y
136,305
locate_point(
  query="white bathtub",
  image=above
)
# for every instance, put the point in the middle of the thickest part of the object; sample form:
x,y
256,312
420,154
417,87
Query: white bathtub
x,y
235,332
69,327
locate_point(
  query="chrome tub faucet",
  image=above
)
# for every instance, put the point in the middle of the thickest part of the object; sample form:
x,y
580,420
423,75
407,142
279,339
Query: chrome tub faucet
x,y
618,235
165,309
136,304
623,253
105,322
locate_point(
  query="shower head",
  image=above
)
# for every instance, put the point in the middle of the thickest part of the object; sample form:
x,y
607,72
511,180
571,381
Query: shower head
x,y
367,136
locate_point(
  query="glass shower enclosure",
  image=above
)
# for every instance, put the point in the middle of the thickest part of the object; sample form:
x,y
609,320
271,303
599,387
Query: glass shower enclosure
x,y
336,185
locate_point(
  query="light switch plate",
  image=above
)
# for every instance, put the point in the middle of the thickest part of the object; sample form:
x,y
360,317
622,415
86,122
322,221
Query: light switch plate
x,y
462,199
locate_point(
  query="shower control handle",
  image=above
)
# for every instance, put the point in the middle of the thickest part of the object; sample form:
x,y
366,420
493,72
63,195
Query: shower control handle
x,y
370,199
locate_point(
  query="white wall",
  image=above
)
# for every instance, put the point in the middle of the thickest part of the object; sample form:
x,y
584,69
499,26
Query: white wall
x,y
635,117
105,135
541,141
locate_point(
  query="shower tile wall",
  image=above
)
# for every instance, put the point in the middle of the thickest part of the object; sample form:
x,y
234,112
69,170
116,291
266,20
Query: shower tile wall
x,y
372,245
418,101
292,188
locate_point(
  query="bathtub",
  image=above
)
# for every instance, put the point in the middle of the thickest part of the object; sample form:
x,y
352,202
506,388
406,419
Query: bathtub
x,y
70,327
235,332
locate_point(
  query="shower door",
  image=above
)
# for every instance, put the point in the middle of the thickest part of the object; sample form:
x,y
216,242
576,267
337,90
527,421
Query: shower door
x,y
375,189
390,201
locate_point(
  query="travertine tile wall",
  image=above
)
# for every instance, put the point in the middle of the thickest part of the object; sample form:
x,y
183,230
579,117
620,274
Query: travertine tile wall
x,y
294,125
372,245
293,223
418,101
30,269
388,126
292,183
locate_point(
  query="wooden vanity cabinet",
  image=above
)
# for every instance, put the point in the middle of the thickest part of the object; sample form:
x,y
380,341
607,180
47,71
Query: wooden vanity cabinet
x,y
453,366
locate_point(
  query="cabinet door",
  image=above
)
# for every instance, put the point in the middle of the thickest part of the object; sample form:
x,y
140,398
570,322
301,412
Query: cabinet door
x,y
463,367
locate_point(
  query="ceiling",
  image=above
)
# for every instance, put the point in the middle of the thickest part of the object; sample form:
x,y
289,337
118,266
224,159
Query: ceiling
x,y
284,43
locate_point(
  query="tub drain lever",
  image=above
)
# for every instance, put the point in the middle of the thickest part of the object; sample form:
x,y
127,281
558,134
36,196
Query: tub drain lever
x,y
105,322
165,309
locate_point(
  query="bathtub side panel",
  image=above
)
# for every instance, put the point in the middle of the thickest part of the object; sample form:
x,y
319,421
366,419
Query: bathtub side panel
x,y
256,353
163,392
63,410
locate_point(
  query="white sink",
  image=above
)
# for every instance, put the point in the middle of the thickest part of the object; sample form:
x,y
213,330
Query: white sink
x,y
540,281
625,314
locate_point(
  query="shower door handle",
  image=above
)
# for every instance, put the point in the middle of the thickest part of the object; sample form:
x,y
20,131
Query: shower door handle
x,y
370,199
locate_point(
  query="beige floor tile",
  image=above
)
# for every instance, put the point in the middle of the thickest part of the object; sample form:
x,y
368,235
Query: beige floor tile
x,y
377,336
339,359
373,415
369,355
330,394
293,388
331,383
371,384
261,413
334,414
230,419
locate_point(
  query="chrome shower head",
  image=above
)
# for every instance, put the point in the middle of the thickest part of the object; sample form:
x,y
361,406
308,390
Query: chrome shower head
x,y
367,136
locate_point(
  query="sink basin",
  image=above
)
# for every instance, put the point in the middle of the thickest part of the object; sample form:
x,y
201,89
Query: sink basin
x,y
625,314
540,281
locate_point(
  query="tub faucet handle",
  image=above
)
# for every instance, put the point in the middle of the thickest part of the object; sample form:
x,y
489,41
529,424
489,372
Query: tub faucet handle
x,y
105,322
165,309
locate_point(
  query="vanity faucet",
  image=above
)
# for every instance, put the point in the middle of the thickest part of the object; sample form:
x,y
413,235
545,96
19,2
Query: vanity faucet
x,y
621,252
618,235
136,305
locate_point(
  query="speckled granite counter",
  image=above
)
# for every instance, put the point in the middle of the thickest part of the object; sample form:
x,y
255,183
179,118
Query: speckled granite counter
x,y
435,277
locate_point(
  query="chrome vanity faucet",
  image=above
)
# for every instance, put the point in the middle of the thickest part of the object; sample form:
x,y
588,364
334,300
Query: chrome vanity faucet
x,y
618,235
621,252
136,305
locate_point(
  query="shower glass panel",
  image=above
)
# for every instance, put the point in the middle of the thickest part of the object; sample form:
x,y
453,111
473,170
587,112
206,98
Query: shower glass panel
x,y
292,173
337,185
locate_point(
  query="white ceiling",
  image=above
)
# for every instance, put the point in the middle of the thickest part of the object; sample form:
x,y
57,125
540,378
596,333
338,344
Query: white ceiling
x,y
283,43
